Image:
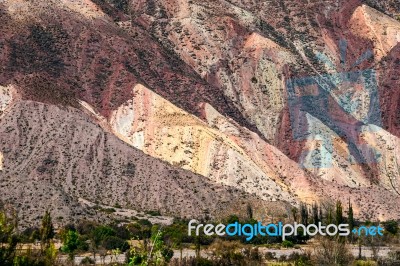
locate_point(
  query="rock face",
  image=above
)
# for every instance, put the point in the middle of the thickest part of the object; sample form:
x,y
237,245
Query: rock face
x,y
7,95
218,149
286,100
226,153
384,31
54,156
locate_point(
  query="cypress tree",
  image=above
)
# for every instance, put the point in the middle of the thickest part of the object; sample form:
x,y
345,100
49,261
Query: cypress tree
x,y
294,214
47,230
321,216
316,217
304,214
351,218
329,218
249,212
339,213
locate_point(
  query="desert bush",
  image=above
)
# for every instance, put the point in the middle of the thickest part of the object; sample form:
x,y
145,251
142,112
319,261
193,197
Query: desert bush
x,y
29,235
151,252
391,227
114,242
270,255
287,244
393,259
332,252
85,227
365,263
300,259
153,213
87,261
227,252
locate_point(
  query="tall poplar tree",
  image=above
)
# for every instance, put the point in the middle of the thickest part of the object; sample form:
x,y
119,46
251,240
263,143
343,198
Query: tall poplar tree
x,y
350,216
339,212
47,230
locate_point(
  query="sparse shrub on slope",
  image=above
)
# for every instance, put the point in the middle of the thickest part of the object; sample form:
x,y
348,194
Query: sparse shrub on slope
x,y
332,252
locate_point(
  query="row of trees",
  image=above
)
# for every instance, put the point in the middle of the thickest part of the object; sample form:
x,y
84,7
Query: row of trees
x,y
16,248
10,239
324,213
148,244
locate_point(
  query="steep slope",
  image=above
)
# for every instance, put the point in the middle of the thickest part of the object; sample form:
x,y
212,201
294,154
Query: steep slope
x,y
257,56
290,100
53,156
75,51
382,30
227,153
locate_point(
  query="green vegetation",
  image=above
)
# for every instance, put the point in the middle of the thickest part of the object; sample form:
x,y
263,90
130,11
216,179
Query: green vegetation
x,y
106,210
287,244
350,218
8,236
46,232
10,239
339,213
152,252
153,213
71,242
140,242
332,252
391,227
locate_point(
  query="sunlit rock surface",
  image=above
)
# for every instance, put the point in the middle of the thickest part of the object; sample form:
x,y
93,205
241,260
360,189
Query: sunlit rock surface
x,y
202,88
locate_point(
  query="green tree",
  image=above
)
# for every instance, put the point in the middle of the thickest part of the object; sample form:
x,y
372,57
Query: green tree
x,y
329,215
152,252
51,254
232,219
100,233
71,242
113,242
97,235
294,214
8,238
315,213
391,227
321,214
350,216
339,213
46,231
174,235
304,213
249,211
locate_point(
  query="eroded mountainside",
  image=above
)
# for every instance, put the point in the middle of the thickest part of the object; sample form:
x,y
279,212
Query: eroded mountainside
x,y
280,101
53,157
